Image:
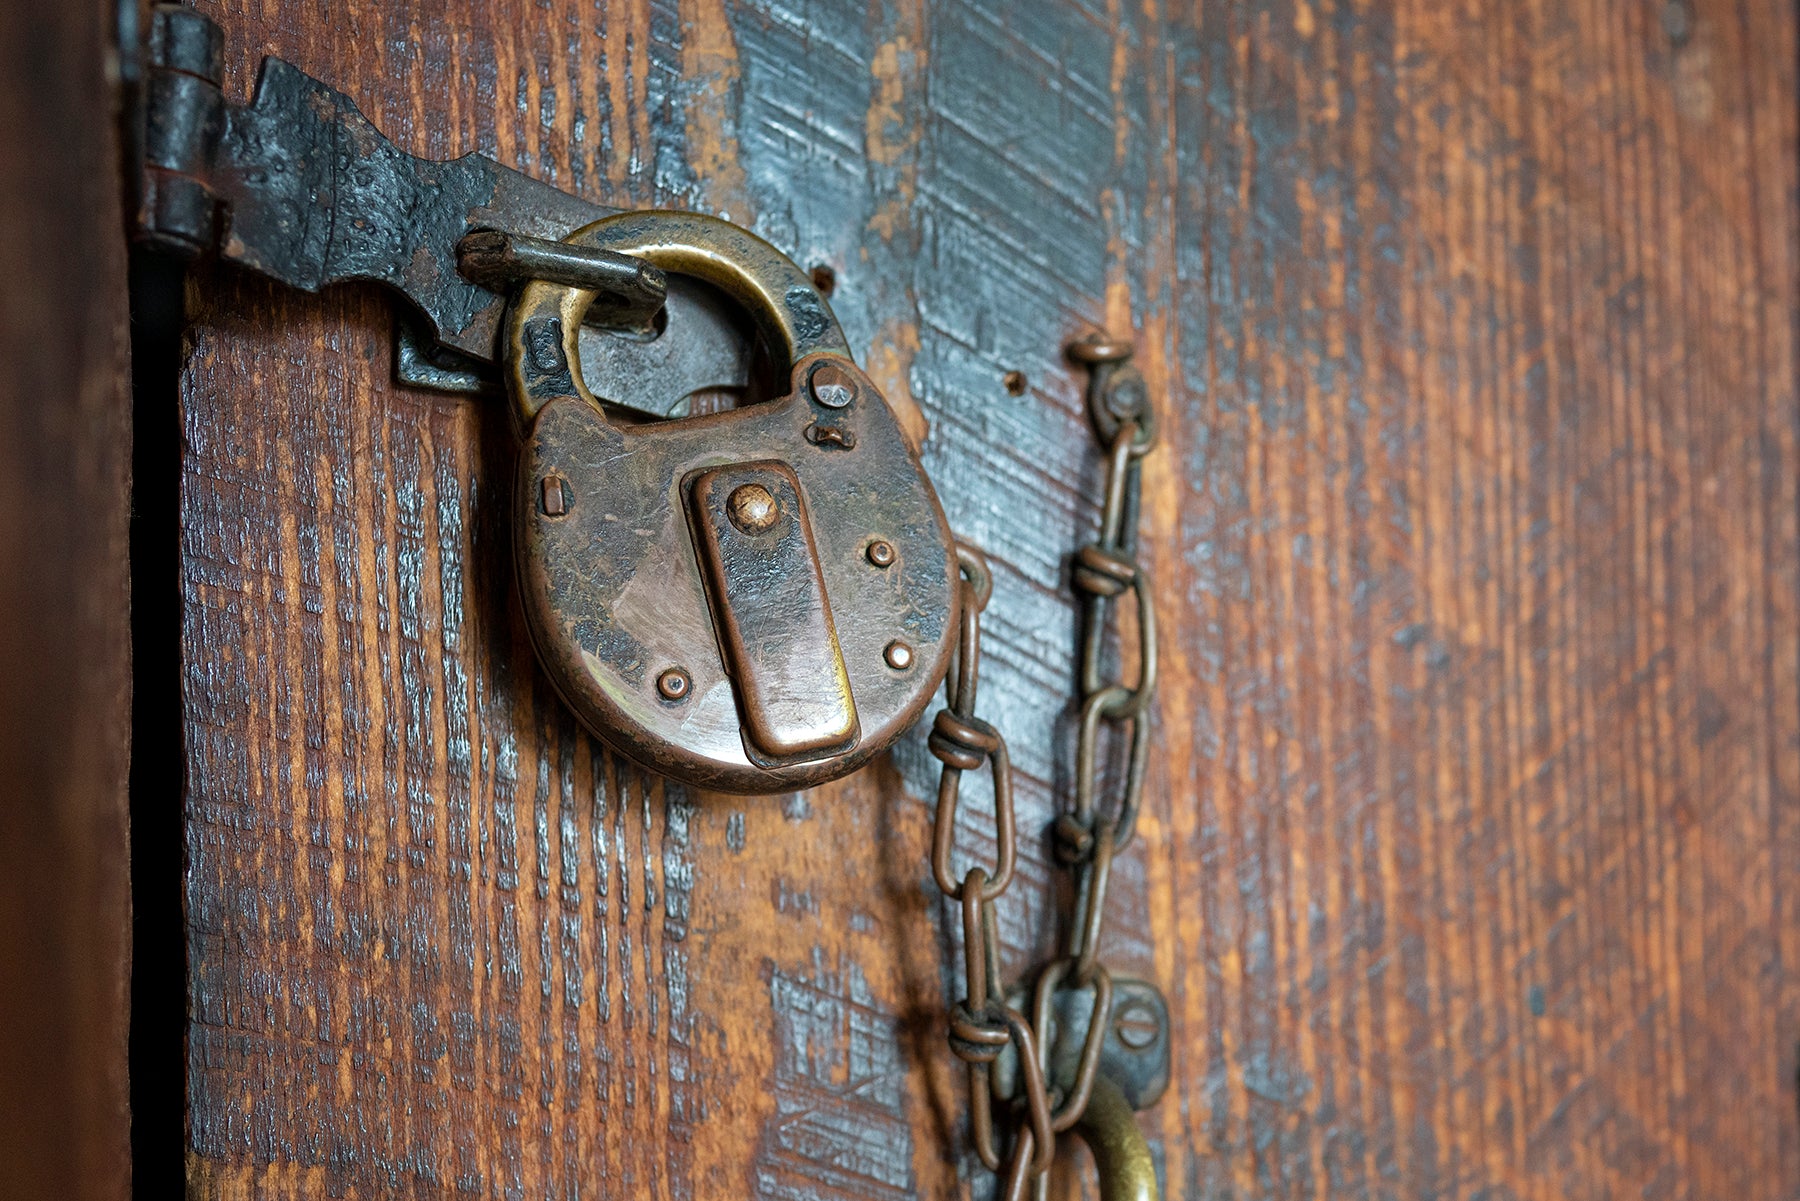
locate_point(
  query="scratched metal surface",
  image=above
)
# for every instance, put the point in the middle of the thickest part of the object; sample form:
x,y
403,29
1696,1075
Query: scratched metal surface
x,y
1468,860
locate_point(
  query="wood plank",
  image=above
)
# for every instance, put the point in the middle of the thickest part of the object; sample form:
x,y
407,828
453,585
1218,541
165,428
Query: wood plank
x,y
1487,529
1468,856
65,684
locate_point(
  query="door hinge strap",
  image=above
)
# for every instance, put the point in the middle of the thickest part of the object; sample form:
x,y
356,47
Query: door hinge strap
x,y
298,185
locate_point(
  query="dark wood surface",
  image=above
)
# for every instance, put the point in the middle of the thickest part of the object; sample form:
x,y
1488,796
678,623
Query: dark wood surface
x,y
65,684
1470,858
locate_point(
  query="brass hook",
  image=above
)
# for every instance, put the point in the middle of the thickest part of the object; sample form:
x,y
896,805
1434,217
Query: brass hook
x,y
1121,1155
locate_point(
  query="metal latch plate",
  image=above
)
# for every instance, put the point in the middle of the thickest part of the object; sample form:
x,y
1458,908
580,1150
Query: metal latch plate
x,y
770,612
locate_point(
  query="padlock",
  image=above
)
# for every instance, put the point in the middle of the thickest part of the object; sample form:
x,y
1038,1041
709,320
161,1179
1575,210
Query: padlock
x,y
755,600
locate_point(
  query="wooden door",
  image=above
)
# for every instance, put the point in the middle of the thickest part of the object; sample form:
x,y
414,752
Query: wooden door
x,y
1469,861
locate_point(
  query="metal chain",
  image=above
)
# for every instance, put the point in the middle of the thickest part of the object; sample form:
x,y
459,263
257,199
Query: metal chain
x,y
982,1024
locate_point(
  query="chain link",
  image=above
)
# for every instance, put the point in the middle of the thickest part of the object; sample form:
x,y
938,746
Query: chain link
x,y
982,1024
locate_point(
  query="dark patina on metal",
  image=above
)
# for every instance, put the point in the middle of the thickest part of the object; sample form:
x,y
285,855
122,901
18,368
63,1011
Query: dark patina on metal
x,y
299,186
629,581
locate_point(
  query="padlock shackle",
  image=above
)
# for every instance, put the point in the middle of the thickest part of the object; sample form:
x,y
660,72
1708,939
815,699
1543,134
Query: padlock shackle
x,y
543,327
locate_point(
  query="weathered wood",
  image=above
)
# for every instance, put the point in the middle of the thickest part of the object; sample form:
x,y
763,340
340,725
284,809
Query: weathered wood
x,y
65,688
1468,861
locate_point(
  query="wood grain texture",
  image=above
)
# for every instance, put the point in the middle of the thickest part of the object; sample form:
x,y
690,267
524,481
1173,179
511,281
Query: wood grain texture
x,y
1469,859
65,661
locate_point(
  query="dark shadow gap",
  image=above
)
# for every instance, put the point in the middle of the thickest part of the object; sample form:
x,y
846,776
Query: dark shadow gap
x,y
158,945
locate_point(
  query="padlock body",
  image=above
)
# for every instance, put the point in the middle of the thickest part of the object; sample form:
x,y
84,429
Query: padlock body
x,y
705,645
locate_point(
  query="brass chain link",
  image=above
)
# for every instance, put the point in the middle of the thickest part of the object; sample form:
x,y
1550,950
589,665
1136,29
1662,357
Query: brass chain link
x,y
982,1024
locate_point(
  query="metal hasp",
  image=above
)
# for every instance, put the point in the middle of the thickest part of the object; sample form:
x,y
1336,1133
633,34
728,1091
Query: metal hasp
x,y
299,186
628,290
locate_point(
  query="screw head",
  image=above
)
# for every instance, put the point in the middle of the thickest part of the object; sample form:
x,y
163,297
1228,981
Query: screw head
x,y
673,684
1126,395
752,508
880,553
832,385
1136,1026
899,656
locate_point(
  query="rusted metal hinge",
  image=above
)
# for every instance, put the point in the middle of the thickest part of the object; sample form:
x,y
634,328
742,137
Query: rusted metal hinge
x,y
299,186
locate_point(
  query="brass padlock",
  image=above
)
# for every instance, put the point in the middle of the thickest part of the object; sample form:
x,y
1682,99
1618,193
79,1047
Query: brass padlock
x,y
756,600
